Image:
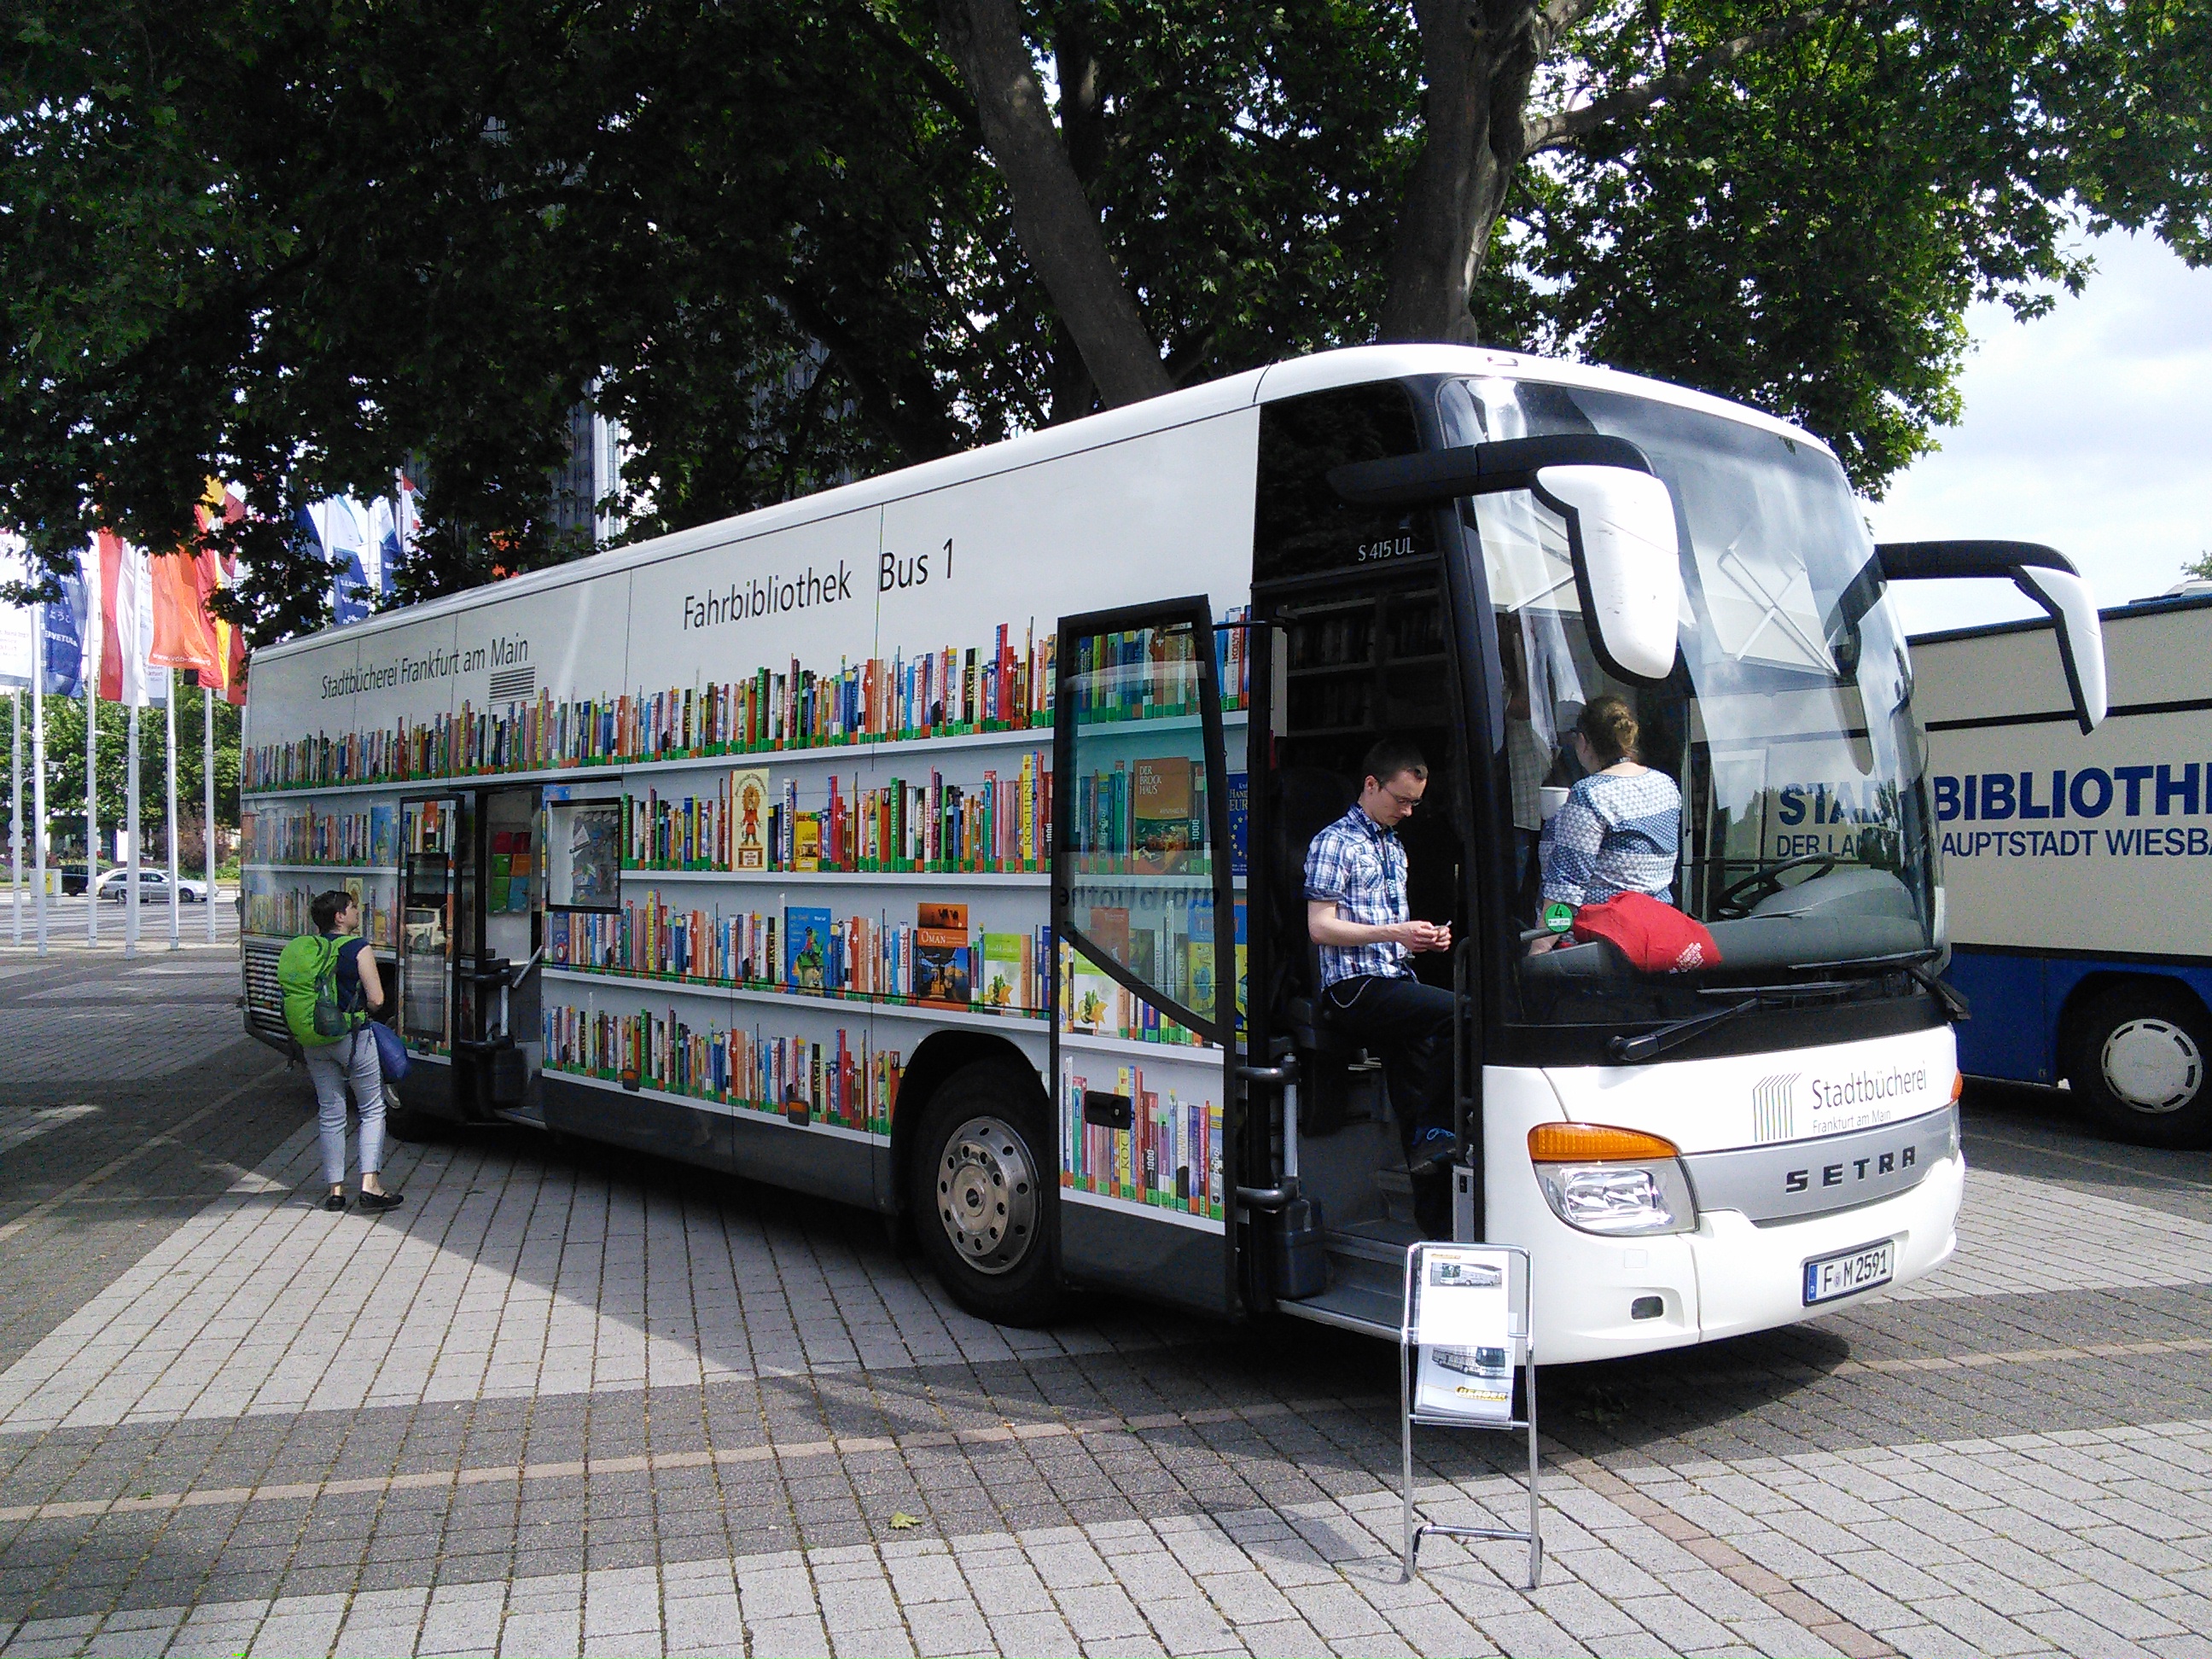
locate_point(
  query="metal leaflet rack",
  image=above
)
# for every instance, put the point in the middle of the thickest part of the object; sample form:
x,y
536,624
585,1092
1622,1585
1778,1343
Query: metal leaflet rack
x,y
1521,1356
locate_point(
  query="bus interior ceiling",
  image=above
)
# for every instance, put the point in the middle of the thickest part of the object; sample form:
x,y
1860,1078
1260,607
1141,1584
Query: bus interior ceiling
x,y
1364,658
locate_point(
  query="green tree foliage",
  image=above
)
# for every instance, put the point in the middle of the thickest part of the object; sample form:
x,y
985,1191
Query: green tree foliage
x,y
1806,231
296,243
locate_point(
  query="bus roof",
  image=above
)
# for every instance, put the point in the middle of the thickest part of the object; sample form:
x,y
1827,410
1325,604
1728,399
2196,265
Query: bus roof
x,y
2159,604
1320,372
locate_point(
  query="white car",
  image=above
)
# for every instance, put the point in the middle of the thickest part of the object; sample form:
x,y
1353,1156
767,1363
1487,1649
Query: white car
x,y
153,887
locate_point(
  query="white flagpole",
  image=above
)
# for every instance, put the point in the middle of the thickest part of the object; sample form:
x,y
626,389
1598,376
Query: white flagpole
x,y
38,778
92,632
169,808
132,816
207,776
92,807
15,809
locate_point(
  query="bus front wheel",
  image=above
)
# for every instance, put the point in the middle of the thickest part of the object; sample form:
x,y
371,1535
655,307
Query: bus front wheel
x,y
982,1195
2143,1064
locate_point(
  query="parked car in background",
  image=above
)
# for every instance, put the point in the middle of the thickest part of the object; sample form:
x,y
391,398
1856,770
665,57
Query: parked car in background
x,y
153,887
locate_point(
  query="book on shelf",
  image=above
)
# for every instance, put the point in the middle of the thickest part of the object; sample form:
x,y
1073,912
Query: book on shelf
x,y
943,972
806,935
384,834
1163,830
1005,979
749,789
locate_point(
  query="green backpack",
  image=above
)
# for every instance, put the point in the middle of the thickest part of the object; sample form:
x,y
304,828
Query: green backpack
x,y
307,974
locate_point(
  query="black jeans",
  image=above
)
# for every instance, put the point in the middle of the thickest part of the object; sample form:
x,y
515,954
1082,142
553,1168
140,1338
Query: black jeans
x,y
1410,1024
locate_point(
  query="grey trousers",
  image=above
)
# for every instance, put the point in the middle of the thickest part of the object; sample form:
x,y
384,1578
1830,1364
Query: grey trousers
x,y
349,1059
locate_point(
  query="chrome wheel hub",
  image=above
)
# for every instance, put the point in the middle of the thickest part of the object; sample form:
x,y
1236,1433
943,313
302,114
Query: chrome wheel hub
x,y
2153,1065
987,1195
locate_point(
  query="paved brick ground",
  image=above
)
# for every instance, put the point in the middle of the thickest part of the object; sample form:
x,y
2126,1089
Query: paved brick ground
x,y
605,1405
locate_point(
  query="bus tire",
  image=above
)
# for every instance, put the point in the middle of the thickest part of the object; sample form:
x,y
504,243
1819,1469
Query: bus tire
x,y
2142,1064
984,1196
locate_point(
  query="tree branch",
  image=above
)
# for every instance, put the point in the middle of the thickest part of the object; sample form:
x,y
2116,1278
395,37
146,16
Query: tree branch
x,y
1561,15
1053,220
1566,127
942,86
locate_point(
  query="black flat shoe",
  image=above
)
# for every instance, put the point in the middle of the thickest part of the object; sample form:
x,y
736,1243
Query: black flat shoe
x,y
334,1202
379,1201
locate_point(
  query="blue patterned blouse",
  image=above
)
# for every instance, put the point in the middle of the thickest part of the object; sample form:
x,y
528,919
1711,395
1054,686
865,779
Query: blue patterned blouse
x,y
1615,835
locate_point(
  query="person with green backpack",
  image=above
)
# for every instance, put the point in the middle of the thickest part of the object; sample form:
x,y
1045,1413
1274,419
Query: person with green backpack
x,y
331,987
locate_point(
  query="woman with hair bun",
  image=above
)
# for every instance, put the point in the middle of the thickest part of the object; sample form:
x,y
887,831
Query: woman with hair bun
x,y
1621,827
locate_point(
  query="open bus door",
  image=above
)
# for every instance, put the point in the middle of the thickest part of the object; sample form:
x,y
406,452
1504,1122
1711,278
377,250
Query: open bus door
x,y
429,904
1145,1044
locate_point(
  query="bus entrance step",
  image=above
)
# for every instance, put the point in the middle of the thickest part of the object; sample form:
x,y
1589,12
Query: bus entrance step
x,y
1352,1304
531,1117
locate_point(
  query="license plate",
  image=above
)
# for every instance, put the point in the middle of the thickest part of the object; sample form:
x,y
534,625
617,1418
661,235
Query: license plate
x,y
1828,1276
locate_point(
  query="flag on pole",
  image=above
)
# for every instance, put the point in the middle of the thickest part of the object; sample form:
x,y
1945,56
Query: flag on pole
x,y
126,622
184,633
186,636
48,635
19,624
62,633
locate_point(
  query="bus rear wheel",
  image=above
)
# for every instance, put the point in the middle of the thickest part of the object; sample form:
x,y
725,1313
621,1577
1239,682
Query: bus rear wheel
x,y
983,1196
2142,1062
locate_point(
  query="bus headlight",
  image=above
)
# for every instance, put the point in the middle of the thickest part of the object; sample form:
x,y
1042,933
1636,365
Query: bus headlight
x,y
1618,1182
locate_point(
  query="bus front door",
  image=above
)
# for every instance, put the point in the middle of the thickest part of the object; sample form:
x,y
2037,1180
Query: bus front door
x,y
1147,925
429,900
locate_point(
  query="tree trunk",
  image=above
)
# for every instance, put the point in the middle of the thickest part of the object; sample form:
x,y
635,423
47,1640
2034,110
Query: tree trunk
x,y
1054,221
1479,58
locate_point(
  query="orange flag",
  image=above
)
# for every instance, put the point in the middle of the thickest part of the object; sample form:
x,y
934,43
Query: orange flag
x,y
186,635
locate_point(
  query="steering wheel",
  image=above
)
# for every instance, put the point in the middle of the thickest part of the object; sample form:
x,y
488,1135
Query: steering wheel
x,y
1739,898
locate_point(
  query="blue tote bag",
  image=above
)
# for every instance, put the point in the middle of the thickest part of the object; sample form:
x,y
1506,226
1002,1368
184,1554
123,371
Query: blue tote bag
x,y
390,1052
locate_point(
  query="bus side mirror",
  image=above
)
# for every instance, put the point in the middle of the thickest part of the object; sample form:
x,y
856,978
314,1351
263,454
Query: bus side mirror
x,y
2045,574
1619,518
1628,564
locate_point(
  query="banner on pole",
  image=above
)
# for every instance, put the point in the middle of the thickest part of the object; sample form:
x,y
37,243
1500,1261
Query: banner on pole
x,y
126,622
48,635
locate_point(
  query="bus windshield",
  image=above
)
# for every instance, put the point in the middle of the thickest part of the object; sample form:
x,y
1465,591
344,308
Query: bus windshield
x,y
1783,804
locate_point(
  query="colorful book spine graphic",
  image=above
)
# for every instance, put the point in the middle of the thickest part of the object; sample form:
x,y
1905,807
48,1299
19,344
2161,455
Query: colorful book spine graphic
x,y
1176,954
1141,1139
937,694
278,908
1002,688
841,1080
1002,826
861,958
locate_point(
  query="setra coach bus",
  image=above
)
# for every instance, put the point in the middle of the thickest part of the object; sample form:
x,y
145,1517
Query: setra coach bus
x,y
934,845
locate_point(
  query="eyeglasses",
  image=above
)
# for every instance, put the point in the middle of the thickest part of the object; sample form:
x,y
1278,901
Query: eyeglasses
x,y
1408,804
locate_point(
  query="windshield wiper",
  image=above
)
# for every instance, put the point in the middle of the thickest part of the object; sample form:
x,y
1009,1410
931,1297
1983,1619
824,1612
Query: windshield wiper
x,y
1914,965
1645,1044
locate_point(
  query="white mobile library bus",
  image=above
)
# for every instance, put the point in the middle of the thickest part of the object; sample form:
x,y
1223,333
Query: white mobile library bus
x,y
2079,866
934,845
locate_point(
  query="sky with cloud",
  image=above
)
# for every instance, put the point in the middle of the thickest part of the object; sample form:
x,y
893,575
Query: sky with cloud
x,y
2089,428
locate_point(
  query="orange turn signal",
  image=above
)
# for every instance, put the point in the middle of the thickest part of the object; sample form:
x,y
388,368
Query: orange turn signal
x,y
1594,1143
1958,1086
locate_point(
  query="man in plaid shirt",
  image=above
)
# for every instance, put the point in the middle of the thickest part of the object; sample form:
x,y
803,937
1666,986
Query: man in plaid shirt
x,y
1355,913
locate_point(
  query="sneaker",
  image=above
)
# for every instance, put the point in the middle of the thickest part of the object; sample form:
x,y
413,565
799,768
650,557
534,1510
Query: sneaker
x,y
377,1202
1432,1147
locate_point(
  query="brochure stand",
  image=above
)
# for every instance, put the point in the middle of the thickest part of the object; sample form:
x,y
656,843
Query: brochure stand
x,y
1464,1334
